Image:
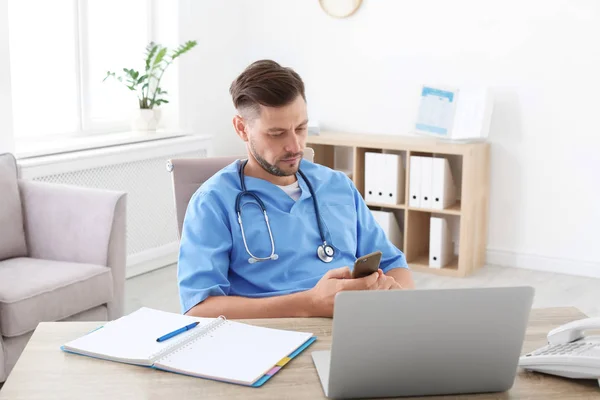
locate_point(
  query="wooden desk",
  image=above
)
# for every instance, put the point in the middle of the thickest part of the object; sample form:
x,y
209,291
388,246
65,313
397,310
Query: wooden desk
x,y
45,372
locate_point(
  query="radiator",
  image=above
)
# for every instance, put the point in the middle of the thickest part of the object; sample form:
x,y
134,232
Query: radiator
x,y
139,170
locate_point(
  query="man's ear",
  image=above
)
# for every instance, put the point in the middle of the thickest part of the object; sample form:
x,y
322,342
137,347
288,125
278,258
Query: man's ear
x,y
240,127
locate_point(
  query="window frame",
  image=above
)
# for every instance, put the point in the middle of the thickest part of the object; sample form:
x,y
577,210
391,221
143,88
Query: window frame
x,y
85,125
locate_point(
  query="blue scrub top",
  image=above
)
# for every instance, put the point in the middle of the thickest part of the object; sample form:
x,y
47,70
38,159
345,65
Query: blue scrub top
x,y
213,260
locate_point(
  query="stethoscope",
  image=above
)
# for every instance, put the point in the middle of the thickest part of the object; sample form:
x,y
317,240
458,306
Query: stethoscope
x,y
325,251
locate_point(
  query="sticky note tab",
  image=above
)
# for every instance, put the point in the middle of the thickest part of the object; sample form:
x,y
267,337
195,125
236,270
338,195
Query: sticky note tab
x,y
283,361
261,381
273,371
304,346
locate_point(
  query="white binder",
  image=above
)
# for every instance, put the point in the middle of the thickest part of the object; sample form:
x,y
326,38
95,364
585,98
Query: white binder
x,y
380,177
389,223
392,175
414,190
426,182
443,189
440,242
371,177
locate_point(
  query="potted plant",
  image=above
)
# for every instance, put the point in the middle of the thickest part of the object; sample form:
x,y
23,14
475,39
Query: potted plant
x,y
146,85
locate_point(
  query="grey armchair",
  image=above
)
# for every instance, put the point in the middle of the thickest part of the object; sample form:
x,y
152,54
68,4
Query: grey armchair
x,y
62,257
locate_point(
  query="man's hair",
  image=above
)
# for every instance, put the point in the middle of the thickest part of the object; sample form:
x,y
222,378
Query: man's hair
x,y
266,83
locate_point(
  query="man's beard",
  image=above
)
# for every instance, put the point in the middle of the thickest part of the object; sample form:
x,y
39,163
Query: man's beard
x,y
270,168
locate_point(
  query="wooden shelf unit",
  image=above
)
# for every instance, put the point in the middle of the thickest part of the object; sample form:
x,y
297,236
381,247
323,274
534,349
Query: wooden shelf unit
x,y
470,169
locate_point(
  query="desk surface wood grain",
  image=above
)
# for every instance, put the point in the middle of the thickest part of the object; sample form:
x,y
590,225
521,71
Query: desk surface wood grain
x,y
45,372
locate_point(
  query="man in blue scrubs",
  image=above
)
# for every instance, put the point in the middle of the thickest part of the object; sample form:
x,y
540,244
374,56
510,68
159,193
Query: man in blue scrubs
x,y
218,273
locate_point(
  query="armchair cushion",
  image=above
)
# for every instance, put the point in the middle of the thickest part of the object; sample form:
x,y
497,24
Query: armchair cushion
x,y
68,223
34,290
12,239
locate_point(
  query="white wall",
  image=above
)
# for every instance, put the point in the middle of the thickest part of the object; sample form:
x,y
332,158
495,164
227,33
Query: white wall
x,y
362,74
206,72
6,137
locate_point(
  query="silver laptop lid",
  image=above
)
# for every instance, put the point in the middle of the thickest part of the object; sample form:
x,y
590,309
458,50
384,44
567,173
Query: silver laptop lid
x,y
427,342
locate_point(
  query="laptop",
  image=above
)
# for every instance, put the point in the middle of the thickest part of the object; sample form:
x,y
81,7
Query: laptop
x,y
424,342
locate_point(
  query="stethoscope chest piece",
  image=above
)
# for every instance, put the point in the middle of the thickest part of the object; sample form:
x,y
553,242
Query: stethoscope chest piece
x,y
325,252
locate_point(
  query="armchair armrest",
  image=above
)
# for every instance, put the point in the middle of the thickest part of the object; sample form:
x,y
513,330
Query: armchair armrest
x,y
3,372
75,224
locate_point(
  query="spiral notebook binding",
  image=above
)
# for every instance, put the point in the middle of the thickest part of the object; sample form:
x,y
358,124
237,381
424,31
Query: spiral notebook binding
x,y
188,339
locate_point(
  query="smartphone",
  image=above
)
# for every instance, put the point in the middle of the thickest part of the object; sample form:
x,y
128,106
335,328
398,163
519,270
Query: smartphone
x,y
366,265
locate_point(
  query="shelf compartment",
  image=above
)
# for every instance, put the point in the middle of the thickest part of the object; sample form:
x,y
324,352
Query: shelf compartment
x,y
421,264
392,222
416,242
455,167
324,154
339,158
394,188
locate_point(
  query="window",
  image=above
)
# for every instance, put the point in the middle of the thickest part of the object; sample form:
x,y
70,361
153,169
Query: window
x,y
60,52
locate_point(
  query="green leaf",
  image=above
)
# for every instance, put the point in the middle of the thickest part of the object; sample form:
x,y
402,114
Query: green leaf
x,y
132,73
184,48
150,52
108,75
159,101
160,56
131,77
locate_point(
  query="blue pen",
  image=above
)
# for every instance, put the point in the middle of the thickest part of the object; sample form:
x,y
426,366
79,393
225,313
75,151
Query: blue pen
x,y
177,332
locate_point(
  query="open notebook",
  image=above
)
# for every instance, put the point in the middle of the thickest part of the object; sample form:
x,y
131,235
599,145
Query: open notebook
x,y
217,348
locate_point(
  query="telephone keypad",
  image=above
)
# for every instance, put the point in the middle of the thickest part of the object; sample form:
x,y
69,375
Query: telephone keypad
x,y
564,349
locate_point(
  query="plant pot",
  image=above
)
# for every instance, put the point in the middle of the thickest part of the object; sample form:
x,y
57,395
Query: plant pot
x,y
145,119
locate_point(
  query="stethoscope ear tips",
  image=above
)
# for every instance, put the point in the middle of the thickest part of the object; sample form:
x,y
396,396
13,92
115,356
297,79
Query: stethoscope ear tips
x,y
252,260
274,257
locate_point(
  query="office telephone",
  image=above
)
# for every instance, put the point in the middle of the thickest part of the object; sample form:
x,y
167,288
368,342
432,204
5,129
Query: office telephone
x,y
568,353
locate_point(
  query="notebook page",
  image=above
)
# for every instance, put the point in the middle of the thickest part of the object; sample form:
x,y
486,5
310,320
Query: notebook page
x,y
132,338
234,352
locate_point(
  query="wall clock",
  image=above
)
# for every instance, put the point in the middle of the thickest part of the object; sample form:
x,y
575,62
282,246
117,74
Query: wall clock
x,y
340,8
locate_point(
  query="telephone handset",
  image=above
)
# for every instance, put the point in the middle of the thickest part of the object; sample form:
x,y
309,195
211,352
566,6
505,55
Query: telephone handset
x,y
572,331
568,353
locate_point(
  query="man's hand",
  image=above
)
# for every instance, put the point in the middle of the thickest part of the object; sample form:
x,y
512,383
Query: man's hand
x,y
386,282
336,280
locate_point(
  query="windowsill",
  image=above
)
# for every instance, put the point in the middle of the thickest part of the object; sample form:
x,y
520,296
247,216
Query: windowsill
x,y
38,147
